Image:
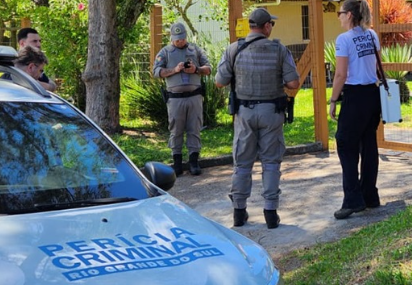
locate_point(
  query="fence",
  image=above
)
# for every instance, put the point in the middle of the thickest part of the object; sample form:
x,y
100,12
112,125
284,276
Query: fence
x,y
394,136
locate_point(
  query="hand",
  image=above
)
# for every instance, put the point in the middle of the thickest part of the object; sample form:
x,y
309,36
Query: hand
x,y
179,67
191,69
332,111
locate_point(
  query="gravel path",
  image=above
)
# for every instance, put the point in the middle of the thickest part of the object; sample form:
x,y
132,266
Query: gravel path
x,y
311,192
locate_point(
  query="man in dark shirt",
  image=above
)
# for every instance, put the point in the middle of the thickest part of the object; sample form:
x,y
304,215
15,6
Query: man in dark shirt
x,y
29,36
30,60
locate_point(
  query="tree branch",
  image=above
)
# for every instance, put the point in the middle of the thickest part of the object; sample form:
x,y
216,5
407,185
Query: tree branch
x,y
128,13
183,12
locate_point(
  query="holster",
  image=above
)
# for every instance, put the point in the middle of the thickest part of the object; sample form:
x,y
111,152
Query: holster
x,y
233,105
286,105
165,95
281,104
203,86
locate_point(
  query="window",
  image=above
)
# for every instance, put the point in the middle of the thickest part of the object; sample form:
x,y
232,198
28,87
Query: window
x,y
52,155
305,22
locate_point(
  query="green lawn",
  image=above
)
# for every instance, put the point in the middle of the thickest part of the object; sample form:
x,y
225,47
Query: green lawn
x,y
380,254
146,143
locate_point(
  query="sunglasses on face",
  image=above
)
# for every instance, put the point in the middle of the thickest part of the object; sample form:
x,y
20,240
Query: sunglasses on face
x,y
341,12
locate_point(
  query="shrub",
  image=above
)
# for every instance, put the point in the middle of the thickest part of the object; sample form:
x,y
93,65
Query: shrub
x,y
394,12
141,94
214,100
141,98
215,97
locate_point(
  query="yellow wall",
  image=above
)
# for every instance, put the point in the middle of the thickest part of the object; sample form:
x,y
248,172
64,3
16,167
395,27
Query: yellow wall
x,y
288,27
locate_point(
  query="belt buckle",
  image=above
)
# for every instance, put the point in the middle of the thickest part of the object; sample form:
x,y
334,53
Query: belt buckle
x,y
251,104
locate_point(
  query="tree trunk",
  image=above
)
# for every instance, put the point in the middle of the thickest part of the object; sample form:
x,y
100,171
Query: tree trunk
x,y
102,73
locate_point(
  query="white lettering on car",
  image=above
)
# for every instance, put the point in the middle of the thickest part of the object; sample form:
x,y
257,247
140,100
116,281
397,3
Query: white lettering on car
x,y
100,256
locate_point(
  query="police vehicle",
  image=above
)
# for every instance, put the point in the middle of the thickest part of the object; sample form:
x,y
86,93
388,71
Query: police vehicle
x,y
74,209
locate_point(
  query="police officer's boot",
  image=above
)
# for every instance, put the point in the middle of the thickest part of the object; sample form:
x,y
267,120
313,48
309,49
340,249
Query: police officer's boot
x,y
272,218
240,217
177,164
194,167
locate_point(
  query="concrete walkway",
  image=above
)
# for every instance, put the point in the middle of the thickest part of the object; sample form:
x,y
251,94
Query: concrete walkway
x,y
311,192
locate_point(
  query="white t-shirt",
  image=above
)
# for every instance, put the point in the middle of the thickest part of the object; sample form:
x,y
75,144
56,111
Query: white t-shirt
x,y
356,44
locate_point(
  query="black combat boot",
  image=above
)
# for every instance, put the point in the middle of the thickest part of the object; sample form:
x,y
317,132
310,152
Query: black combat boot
x,y
194,167
177,164
240,217
272,218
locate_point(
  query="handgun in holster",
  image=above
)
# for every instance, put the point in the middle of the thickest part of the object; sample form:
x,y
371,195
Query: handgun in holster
x,y
233,105
289,110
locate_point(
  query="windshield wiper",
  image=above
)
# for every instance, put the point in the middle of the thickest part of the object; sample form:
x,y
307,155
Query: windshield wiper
x,y
72,204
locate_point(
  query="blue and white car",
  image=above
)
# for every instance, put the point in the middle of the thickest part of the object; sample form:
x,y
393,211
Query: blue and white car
x,y
74,209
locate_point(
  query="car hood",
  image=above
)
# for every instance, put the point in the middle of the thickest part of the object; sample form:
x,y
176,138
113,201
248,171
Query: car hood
x,y
154,241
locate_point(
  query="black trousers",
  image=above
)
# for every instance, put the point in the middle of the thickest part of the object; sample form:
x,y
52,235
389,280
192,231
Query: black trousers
x,y
356,140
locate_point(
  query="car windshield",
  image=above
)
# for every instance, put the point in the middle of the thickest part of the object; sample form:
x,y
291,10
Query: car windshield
x,y
50,155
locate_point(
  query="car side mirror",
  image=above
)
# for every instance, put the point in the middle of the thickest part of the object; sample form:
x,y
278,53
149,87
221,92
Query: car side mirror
x,y
160,174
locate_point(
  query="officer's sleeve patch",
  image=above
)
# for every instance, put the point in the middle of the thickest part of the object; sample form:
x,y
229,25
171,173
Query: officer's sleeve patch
x,y
158,59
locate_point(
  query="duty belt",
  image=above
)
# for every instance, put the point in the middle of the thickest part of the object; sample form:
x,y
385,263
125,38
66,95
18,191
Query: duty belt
x,y
252,103
198,91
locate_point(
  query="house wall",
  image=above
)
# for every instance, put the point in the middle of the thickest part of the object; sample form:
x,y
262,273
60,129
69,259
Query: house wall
x,y
288,27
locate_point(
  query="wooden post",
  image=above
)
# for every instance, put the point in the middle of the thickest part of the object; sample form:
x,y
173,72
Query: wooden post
x,y
25,23
235,12
380,137
319,73
156,32
13,34
2,30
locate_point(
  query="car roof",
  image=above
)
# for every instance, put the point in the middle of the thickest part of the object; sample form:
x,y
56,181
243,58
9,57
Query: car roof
x,y
13,92
21,87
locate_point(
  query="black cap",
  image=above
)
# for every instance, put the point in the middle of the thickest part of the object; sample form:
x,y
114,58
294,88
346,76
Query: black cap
x,y
260,16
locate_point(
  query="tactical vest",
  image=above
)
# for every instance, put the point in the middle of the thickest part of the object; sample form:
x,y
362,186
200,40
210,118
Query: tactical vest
x,y
258,70
176,55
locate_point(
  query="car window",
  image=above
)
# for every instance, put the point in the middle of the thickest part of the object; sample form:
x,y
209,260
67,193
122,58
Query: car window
x,y
49,154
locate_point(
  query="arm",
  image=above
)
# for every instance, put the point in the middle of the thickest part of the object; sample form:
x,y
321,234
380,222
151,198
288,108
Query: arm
x,y
166,72
200,70
338,82
160,69
290,75
47,83
51,86
225,72
219,85
294,84
203,70
204,67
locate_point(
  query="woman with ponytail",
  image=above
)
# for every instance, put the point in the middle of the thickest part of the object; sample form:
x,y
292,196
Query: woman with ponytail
x,y
356,82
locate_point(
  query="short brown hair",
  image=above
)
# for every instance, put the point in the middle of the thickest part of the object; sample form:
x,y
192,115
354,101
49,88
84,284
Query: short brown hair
x,y
30,54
